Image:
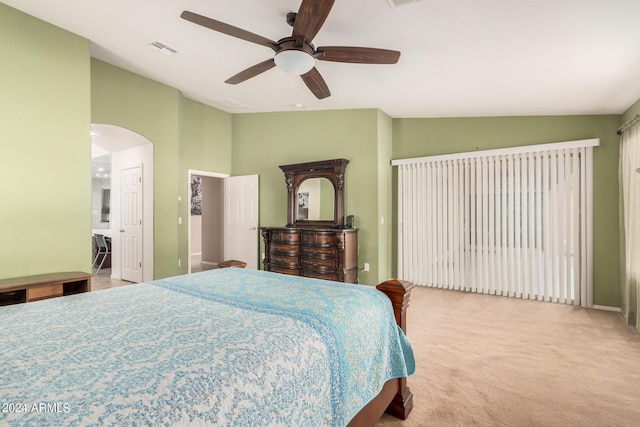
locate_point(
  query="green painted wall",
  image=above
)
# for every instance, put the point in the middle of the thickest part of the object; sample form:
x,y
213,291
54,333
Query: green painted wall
x,y
262,142
205,146
185,135
206,138
425,137
45,171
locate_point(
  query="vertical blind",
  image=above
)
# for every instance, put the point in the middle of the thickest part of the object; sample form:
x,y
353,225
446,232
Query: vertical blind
x,y
513,222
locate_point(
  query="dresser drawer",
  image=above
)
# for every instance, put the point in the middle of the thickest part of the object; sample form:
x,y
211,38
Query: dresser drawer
x,y
321,275
280,249
319,264
318,238
319,252
283,270
288,261
285,236
42,292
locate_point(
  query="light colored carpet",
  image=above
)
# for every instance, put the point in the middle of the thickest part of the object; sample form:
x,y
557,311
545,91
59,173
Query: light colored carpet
x,y
494,361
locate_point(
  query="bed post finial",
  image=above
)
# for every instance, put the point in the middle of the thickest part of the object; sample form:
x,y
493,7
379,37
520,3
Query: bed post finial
x,y
399,292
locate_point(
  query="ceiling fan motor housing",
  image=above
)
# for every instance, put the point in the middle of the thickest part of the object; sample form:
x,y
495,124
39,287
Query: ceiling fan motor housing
x,y
291,18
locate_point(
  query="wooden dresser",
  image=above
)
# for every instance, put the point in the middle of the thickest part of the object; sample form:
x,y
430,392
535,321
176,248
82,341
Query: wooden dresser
x,y
321,253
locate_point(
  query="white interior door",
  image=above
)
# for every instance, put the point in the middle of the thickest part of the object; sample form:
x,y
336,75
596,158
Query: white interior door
x,y
241,219
131,223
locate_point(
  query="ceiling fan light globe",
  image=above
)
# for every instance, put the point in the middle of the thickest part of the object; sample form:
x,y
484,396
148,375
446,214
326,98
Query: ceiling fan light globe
x,y
294,61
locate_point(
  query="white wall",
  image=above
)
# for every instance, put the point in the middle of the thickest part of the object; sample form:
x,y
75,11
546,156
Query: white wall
x,y
137,156
196,234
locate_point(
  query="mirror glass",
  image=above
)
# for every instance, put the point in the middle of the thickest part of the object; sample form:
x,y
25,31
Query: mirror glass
x,y
315,200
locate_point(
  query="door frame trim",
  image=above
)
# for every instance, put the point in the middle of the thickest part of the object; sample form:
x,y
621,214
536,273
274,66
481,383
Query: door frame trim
x,y
190,173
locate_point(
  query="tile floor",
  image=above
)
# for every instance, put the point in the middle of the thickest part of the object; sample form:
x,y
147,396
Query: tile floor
x,y
104,281
197,265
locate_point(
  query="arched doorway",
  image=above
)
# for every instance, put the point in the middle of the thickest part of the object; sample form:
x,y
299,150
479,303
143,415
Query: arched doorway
x,y
120,156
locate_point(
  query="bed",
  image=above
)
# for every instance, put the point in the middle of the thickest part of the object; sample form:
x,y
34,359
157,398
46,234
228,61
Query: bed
x,y
221,347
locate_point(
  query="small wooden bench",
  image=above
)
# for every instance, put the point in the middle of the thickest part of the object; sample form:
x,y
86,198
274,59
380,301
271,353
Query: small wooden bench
x,y
233,263
17,290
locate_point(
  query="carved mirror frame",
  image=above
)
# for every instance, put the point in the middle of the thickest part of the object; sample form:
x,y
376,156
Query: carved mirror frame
x,y
295,174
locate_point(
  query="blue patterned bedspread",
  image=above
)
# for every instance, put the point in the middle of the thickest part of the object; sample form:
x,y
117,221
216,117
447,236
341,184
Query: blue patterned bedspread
x,y
223,347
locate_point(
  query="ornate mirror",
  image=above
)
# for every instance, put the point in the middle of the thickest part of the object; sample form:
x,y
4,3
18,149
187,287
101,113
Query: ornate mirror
x,y
315,193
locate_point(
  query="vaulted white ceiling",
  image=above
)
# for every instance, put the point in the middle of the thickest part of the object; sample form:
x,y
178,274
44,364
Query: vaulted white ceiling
x,y
459,57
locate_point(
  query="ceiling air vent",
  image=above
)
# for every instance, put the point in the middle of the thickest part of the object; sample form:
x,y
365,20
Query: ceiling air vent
x,y
162,48
229,103
396,3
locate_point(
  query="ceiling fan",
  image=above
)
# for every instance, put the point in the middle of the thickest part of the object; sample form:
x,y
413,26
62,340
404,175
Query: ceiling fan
x,y
296,54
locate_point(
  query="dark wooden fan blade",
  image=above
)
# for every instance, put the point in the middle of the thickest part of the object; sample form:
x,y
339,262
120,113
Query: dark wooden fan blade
x,y
227,29
358,55
251,72
310,17
316,83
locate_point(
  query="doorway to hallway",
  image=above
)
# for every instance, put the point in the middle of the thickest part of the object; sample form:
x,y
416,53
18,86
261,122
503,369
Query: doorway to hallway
x,y
223,220
206,220
116,149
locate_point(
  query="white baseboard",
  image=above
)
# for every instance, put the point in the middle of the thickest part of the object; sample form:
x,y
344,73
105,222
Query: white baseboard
x,y
208,263
607,308
196,254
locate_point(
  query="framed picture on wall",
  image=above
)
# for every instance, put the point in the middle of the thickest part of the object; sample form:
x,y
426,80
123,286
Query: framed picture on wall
x,y
196,195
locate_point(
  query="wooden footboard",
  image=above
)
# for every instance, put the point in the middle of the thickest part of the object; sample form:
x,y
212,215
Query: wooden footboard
x,y
395,398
